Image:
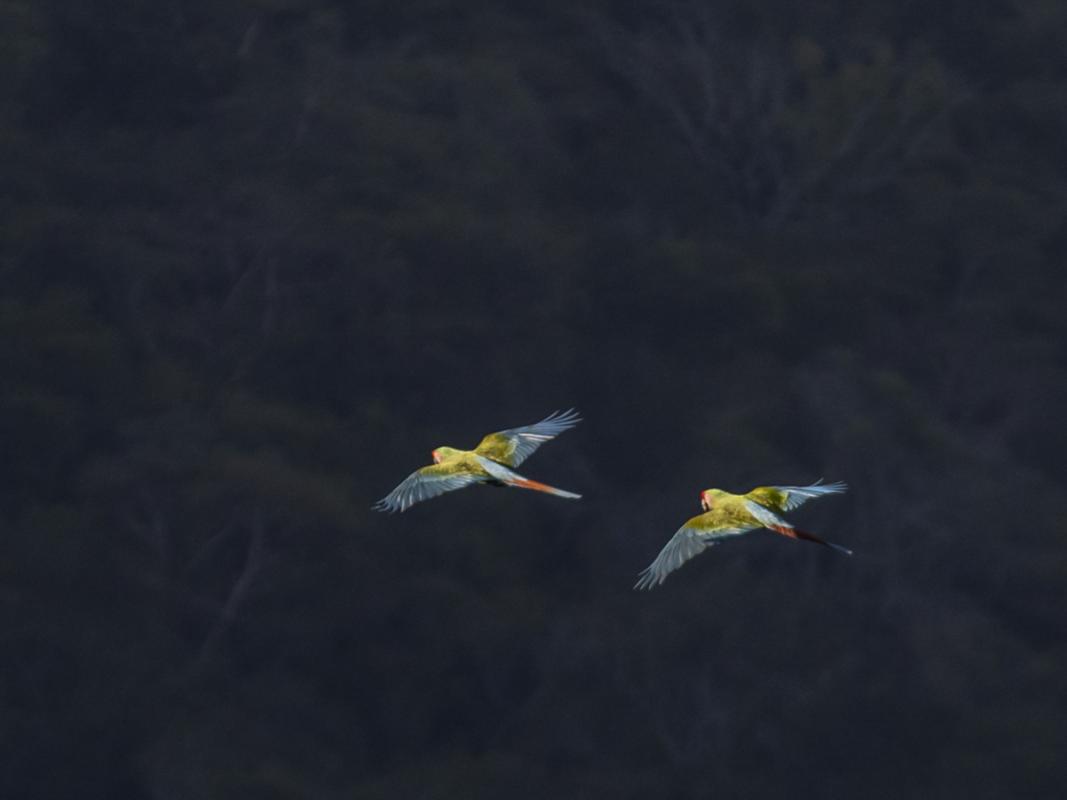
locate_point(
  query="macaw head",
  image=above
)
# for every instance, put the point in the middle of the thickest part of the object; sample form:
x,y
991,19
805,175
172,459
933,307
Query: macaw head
x,y
441,453
709,497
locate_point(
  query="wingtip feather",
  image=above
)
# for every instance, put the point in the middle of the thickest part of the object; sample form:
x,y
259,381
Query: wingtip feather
x,y
647,580
568,418
831,488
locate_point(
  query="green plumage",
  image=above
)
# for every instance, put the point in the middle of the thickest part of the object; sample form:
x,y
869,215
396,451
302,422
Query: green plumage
x,y
490,462
498,447
770,497
726,514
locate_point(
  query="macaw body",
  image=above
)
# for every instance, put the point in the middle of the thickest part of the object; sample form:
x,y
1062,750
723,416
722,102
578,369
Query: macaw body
x,y
727,514
490,462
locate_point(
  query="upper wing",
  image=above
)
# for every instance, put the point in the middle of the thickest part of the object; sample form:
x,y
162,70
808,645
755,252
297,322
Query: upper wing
x,y
422,484
515,445
693,538
786,498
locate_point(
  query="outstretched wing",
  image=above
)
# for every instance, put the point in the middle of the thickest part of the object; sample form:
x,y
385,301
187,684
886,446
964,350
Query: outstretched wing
x,y
422,484
786,498
515,445
691,539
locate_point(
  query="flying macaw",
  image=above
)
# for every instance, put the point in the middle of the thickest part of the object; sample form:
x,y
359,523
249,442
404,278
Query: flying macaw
x,y
490,462
731,515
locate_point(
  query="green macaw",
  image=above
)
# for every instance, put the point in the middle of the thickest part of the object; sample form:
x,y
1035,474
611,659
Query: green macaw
x,y
490,462
731,515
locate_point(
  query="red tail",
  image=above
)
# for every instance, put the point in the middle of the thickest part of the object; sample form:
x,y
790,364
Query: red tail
x,y
793,533
526,483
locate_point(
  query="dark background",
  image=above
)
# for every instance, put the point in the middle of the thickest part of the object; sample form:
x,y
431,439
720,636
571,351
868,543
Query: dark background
x,y
259,257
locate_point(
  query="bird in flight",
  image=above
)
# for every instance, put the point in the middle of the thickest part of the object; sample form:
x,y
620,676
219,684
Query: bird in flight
x,y
728,514
492,462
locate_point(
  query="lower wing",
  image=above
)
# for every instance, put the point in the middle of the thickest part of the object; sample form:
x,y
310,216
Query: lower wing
x,y
422,484
690,540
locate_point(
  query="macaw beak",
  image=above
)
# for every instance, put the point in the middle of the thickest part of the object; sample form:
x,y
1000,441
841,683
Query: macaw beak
x,y
704,502
435,457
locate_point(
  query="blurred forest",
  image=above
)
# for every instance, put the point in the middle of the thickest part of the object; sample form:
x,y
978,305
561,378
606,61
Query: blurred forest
x,y
259,257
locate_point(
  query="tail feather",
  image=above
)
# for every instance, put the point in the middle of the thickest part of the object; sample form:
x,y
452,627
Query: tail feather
x,y
509,477
794,533
537,486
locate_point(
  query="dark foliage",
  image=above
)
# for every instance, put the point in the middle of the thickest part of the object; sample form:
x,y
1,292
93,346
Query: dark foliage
x,y
260,256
